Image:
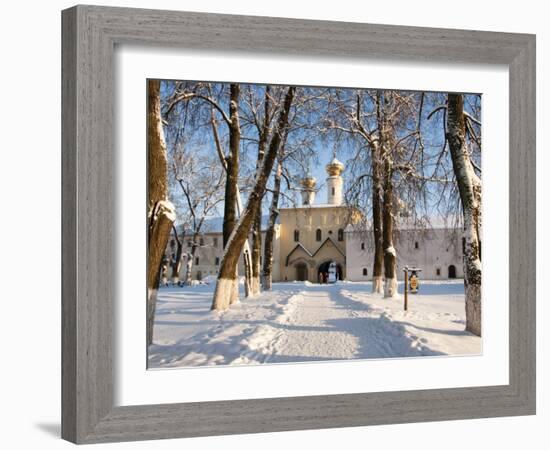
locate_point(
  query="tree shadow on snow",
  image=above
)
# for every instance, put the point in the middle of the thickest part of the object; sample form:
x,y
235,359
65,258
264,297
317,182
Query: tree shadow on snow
x,y
438,330
212,347
270,323
382,338
426,287
379,337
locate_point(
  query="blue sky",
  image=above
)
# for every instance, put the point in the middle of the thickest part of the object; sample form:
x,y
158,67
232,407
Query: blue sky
x,y
199,138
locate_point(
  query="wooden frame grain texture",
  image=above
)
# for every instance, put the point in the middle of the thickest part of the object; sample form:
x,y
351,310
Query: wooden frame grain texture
x,y
90,34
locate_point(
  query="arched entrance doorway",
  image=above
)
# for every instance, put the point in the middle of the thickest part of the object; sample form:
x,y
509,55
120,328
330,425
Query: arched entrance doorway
x,y
301,271
452,271
322,272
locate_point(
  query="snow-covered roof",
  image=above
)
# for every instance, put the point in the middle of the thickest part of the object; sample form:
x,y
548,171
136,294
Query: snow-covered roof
x,y
315,205
432,222
411,223
299,246
215,224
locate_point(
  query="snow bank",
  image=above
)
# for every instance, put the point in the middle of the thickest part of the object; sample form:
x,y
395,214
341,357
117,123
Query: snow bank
x,y
209,279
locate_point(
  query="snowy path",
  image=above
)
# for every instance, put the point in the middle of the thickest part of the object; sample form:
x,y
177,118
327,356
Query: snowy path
x,y
300,322
314,332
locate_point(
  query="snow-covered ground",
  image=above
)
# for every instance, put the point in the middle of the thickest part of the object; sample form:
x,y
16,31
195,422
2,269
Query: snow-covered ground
x,y
299,322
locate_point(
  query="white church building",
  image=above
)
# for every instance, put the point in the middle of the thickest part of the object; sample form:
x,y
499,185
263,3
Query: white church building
x,y
311,236
436,249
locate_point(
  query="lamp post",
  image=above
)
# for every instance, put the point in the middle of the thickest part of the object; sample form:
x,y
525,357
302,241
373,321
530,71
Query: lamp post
x,y
406,292
414,284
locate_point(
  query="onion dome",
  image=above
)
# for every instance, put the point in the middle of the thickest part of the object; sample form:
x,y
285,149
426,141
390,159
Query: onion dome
x,y
308,182
334,168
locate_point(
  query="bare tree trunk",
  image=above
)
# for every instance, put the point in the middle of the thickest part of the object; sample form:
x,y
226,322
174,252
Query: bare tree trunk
x,y
161,214
189,269
232,182
257,226
386,164
390,272
226,280
164,271
256,249
378,263
469,186
238,207
247,260
256,252
270,233
232,160
191,259
247,265
176,261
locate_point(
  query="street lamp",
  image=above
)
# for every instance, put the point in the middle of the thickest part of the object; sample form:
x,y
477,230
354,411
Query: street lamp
x,y
413,281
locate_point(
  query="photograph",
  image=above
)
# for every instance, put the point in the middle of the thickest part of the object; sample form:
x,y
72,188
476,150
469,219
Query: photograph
x,y
270,225
304,224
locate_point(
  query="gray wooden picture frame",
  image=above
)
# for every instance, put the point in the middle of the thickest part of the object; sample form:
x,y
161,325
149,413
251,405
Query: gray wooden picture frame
x,y
90,34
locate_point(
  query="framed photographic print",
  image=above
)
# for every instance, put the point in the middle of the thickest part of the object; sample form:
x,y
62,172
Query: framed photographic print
x,y
264,229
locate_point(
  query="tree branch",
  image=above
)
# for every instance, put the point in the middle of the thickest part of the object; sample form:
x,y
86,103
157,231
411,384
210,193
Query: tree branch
x,y
185,96
435,110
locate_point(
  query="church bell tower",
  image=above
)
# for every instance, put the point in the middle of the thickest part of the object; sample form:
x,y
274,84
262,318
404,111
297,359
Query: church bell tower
x,y
308,190
335,182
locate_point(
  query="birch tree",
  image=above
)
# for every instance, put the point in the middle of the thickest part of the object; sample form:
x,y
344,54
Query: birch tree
x,y
387,134
373,139
263,125
296,151
227,282
176,255
201,180
160,212
400,137
377,121
247,262
469,187
359,116
267,270
260,106
204,95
